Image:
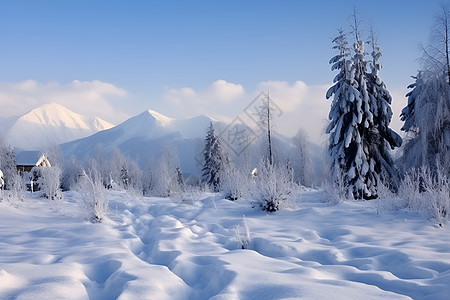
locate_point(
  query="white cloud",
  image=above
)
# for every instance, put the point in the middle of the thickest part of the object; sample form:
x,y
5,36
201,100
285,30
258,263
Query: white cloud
x,y
84,97
303,106
219,92
224,91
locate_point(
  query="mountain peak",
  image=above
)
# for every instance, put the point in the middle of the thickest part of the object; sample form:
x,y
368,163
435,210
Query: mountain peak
x,y
52,123
163,120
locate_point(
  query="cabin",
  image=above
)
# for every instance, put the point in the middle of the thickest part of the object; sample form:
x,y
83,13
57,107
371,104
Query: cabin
x,y
27,160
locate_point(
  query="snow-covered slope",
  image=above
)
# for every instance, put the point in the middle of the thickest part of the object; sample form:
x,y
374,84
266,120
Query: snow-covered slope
x,y
52,124
144,135
186,248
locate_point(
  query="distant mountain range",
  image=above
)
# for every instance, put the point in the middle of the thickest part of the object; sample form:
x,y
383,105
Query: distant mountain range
x,y
139,137
49,124
144,135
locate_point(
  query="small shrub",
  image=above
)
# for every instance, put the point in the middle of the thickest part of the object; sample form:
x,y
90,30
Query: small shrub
x,y
242,234
335,188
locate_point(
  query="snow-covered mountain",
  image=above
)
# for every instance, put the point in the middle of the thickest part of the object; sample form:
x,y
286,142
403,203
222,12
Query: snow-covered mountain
x,y
52,124
144,135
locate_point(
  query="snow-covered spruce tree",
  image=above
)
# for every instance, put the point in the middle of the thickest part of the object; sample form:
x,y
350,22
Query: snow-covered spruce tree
x,y
381,139
345,116
180,180
360,115
214,160
427,114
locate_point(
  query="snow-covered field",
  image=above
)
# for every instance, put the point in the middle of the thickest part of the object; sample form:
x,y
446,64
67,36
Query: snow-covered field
x,y
170,248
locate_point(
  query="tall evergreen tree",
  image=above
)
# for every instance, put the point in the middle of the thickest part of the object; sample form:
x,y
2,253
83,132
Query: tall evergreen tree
x,y
360,115
347,117
215,160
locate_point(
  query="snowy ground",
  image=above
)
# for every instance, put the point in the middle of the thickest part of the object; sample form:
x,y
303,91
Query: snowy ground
x,y
157,248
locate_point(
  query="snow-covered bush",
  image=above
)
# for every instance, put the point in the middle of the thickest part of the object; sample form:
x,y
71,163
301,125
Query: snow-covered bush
x,y
71,172
236,183
335,189
426,192
50,182
274,186
437,190
388,200
93,203
242,235
15,193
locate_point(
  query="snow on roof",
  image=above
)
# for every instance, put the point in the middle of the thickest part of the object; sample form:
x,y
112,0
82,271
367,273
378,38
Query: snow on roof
x,y
31,158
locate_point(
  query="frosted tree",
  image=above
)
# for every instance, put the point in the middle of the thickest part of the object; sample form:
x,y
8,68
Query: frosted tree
x,y
8,164
302,159
93,202
214,160
134,177
149,179
71,172
164,174
50,182
381,139
427,114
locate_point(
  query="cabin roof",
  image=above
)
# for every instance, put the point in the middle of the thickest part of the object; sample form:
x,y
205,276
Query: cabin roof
x,y
30,158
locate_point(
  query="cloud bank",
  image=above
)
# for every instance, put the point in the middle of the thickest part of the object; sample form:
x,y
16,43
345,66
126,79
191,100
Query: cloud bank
x,y
91,98
302,106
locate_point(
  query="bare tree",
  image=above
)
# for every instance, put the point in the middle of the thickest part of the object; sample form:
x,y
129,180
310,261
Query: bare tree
x,y
436,58
265,114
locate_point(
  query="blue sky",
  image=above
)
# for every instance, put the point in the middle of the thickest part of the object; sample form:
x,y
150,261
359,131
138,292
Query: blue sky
x,y
149,52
